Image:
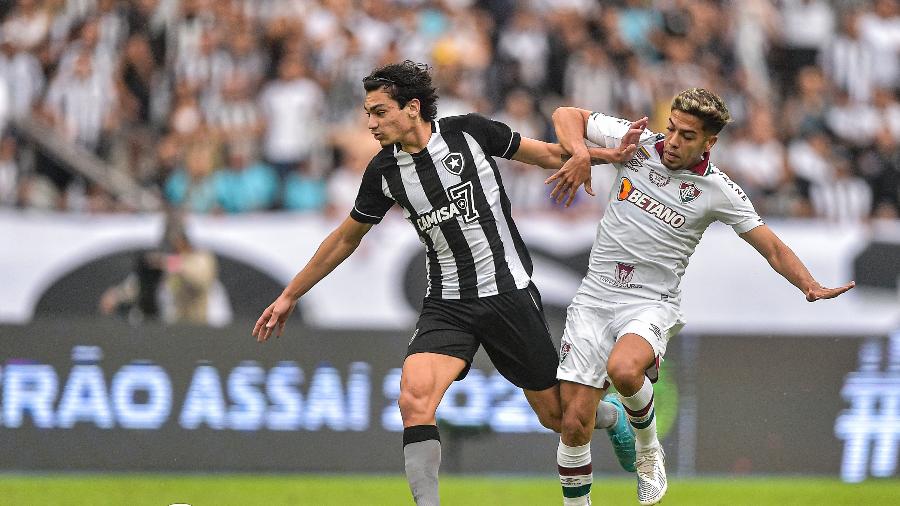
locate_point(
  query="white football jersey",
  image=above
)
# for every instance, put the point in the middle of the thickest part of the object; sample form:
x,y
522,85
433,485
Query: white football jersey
x,y
655,219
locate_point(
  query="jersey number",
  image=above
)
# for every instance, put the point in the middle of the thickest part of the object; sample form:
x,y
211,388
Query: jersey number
x,y
463,196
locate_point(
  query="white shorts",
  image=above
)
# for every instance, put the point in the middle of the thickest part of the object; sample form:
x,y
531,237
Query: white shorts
x,y
592,331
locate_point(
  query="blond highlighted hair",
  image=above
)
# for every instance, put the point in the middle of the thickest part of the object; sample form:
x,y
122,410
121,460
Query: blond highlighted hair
x,y
706,105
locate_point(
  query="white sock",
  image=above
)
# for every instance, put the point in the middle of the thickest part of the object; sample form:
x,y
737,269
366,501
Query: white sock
x,y
575,473
642,416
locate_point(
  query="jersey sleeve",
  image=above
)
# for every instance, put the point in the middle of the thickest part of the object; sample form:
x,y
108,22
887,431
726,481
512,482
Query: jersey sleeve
x,y
371,203
733,207
607,131
497,138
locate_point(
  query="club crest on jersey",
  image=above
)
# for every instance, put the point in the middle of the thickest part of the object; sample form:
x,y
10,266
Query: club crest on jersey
x,y
688,192
629,193
624,273
453,162
659,179
564,350
623,277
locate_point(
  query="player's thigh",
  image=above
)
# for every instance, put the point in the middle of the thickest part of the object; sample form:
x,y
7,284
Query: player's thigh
x,y
653,323
585,346
512,328
425,378
445,328
579,399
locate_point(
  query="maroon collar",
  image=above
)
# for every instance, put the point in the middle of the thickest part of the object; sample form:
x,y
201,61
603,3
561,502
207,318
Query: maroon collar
x,y
700,168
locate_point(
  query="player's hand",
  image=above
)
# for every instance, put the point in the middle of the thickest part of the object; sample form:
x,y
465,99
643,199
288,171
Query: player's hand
x,y
820,292
627,145
576,171
274,318
633,135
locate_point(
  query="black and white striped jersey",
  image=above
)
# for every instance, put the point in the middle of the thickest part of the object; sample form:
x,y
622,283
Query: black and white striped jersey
x,y
452,194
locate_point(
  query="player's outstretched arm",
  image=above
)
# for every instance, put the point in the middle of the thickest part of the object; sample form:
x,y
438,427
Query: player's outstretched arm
x,y
339,244
786,263
552,156
571,126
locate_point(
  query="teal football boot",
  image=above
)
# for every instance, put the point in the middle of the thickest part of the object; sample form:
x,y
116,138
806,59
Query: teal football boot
x,y
621,436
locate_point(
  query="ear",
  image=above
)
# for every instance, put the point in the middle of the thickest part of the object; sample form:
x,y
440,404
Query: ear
x,y
711,141
413,107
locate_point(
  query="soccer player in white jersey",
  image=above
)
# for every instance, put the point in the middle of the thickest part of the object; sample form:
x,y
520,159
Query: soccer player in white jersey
x,y
443,175
627,306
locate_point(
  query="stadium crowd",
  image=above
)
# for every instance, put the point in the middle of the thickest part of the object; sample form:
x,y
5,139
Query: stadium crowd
x,y
233,106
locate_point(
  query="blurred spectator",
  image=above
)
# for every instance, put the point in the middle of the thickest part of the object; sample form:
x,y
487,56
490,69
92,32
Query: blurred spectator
x,y
9,173
205,69
524,184
637,22
24,70
82,104
235,116
5,104
186,120
28,25
806,28
250,62
138,77
845,199
806,107
173,283
810,161
880,166
756,159
192,187
245,184
292,107
189,276
849,61
854,123
526,45
755,21
880,29
305,191
591,79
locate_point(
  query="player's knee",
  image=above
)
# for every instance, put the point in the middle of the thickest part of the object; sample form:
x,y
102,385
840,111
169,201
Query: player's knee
x,y
415,403
626,375
577,427
551,419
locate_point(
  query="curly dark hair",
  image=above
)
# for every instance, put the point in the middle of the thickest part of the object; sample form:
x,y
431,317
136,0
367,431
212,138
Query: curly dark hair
x,y
404,82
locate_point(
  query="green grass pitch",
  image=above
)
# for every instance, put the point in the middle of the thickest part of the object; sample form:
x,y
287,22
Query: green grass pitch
x,y
325,490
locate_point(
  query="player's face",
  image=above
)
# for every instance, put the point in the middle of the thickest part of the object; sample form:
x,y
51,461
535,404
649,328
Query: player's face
x,y
685,141
388,122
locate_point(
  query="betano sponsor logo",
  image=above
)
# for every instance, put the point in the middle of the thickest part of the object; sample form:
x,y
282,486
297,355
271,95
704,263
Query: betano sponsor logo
x,y
628,192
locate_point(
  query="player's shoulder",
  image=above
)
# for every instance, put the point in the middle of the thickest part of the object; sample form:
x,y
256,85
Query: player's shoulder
x,y
462,122
717,178
383,159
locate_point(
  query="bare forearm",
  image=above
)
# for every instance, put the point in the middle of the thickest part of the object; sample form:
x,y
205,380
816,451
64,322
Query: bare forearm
x,y
331,253
786,263
569,124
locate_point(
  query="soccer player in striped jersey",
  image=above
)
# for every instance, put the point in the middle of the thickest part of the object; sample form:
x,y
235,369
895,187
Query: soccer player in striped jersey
x,y
627,306
443,175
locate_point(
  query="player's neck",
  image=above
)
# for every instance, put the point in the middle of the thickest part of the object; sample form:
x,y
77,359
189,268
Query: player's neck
x,y
417,138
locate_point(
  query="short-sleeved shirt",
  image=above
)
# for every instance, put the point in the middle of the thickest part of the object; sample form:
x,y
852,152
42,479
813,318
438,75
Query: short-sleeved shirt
x,y
452,194
654,219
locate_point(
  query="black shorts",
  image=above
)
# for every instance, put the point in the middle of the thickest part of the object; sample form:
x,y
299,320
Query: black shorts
x,y
511,327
